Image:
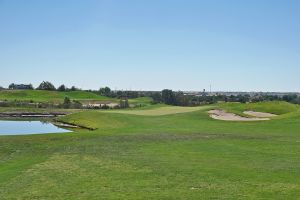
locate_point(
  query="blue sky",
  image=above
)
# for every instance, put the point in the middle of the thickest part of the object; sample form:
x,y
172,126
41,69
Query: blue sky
x,y
250,45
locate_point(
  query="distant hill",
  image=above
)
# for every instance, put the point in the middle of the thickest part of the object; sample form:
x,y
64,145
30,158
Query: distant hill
x,y
49,96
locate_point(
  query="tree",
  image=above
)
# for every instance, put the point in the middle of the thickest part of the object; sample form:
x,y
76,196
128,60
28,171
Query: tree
x,y
156,96
67,102
181,100
73,88
45,85
168,97
106,91
242,98
12,86
290,97
296,101
61,88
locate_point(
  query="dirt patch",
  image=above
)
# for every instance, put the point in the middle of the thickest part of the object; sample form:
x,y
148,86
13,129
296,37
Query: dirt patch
x,y
259,114
223,115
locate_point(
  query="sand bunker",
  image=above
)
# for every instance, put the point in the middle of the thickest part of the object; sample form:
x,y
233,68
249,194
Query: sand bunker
x,y
259,114
223,115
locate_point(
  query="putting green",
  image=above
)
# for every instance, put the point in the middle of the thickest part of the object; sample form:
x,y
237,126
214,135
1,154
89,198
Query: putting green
x,y
167,110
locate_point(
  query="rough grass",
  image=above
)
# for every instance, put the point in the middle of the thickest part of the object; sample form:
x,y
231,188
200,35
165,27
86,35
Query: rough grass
x,y
273,107
186,155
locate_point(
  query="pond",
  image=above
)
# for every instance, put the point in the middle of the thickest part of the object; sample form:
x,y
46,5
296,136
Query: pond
x,y
28,128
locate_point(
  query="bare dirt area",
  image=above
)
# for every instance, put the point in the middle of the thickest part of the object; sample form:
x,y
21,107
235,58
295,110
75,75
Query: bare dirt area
x,y
225,116
259,114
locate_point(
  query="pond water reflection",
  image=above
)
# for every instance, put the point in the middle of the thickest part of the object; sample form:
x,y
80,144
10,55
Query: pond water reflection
x,y
28,128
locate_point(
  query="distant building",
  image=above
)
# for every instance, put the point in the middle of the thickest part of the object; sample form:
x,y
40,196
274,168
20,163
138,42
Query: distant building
x,y
23,87
20,86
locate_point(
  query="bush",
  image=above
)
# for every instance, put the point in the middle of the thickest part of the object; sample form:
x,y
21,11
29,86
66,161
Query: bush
x,y
76,105
67,102
124,103
105,106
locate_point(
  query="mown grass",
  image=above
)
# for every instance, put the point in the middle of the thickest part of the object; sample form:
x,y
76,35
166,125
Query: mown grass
x,y
160,110
141,100
183,155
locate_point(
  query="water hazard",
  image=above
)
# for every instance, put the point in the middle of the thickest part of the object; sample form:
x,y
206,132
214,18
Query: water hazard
x,y
28,128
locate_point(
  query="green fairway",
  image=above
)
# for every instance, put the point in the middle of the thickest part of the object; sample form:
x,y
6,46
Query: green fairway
x,y
48,96
164,110
162,152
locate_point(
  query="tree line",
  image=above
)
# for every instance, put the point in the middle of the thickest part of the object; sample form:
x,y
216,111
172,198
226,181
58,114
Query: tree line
x,y
170,97
45,85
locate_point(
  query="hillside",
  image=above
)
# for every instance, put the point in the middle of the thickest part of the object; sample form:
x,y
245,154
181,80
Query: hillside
x,y
49,96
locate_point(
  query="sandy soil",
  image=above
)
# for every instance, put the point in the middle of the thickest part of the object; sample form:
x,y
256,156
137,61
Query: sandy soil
x,y
259,114
222,115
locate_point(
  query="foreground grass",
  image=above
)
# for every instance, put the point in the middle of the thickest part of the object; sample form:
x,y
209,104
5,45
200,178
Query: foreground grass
x,y
183,155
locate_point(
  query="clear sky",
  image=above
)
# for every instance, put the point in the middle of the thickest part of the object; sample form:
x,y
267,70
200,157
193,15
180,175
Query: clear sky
x,y
249,45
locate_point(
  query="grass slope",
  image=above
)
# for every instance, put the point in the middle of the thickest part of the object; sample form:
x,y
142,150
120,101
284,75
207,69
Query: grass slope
x,y
184,155
283,109
141,101
275,107
48,96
